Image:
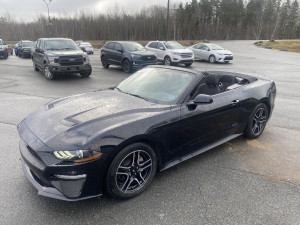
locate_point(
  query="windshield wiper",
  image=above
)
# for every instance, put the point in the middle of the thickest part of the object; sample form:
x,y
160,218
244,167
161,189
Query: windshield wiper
x,y
138,96
53,49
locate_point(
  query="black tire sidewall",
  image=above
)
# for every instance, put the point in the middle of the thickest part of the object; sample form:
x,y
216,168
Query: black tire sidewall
x,y
48,78
105,65
248,131
110,178
167,57
126,61
212,56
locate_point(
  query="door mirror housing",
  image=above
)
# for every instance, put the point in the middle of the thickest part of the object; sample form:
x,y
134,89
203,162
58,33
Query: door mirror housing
x,y
203,99
162,48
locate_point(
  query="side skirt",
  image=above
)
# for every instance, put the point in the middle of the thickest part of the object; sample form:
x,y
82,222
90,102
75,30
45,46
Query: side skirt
x,y
198,152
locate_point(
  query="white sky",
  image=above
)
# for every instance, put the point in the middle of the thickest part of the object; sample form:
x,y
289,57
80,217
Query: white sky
x,y
29,9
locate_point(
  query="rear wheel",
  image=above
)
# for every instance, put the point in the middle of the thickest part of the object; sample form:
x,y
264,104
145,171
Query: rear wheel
x,y
188,64
127,66
48,74
132,171
104,62
5,55
257,121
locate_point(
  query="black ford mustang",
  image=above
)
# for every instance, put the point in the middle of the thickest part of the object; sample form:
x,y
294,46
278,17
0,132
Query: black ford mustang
x,y
73,148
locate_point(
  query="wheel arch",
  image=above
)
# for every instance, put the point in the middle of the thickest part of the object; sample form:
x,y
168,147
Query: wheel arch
x,y
267,103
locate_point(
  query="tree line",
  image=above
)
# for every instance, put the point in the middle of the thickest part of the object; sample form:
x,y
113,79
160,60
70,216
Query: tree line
x,y
196,20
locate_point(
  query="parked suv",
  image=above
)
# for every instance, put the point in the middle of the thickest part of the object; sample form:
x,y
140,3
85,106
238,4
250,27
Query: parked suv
x,y
24,48
3,50
171,52
56,56
129,55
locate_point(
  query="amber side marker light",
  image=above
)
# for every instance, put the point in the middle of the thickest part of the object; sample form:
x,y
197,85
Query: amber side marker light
x,y
89,158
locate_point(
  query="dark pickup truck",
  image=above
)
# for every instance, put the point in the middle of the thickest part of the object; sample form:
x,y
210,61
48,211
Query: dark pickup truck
x,y
55,56
3,50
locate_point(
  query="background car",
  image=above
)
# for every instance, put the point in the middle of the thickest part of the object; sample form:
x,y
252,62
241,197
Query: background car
x,y
3,50
55,56
171,53
86,47
24,48
117,139
212,53
129,55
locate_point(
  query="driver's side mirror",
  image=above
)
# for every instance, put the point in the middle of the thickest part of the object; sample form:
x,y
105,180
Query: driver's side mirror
x,y
162,48
203,99
208,50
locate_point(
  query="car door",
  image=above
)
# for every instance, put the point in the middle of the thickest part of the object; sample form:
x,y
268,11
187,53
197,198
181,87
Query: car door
x,y
210,122
118,54
40,54
110,53
204,52
196,51
152,47
161,51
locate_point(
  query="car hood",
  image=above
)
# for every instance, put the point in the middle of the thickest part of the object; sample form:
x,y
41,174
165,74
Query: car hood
x,y
222,52
182,50
64,53
106,108
142,53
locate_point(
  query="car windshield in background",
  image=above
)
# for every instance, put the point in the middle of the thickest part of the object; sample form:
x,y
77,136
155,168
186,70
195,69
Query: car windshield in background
x,y
86,44
157,84
60,45
132,47
215,47
1,43
173,45
27,44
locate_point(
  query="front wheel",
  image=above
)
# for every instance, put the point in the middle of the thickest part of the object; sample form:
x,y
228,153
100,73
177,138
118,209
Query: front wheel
x,y
212,59
167,61
257,122
127,66
48,74
188,64
132,171
86,73
5,55
104,62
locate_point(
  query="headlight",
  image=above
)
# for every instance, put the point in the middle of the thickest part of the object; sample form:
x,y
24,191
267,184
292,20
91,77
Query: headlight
x,y
53,60
86,59
77,156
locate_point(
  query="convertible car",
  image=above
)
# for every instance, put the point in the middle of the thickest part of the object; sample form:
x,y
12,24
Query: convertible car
x,y
117,139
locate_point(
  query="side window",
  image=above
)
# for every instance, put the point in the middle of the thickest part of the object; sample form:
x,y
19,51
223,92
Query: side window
x,y
111,46
106,45
159,45
204,47
153,45
42,45
38,44
118,47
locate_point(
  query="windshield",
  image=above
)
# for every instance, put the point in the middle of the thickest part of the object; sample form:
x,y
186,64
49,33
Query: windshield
x,y
60,45
1,42
157,84
27,44
132,47
173,45
215,47
86,44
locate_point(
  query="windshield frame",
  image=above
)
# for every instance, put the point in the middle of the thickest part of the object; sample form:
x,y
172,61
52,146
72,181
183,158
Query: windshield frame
x,y
180,98
174,42
210,47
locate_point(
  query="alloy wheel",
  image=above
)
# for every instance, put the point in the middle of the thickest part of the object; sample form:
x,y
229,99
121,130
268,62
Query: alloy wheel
x,y
134,171
167,61
259,121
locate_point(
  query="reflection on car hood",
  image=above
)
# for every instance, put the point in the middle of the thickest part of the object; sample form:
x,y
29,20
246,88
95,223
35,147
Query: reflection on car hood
x,y
181,50
64,52
222,52
108,108
143,53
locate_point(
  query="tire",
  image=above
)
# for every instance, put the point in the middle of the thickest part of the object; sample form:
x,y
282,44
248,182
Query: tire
x,y
5,55
127,66
188,64
104,62
226,62
212,59
35,68
257,122
48,74
168,61
86,73
125,177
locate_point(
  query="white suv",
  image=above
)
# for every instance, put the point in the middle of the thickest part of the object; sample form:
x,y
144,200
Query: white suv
x,y
171,52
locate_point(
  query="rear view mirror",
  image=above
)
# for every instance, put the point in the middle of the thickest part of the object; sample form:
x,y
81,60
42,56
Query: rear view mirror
x,y
203,99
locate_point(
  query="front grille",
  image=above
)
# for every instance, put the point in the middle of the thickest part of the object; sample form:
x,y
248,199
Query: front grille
x,y
70,60
148,58
228,58
186,55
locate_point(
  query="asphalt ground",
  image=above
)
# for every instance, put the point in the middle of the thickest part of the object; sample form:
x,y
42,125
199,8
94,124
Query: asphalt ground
x,y
240,182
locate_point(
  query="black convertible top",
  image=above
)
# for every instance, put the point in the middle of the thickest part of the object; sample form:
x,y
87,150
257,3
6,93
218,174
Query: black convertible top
x,y
244,76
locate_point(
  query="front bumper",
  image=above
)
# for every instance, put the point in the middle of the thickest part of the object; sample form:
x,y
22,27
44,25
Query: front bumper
x,y
55,179
141,64
224,58
57,68
181,60
26,53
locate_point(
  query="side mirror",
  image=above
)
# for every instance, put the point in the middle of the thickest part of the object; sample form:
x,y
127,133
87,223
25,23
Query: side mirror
x,y
203,99
120,50
208,50
162,48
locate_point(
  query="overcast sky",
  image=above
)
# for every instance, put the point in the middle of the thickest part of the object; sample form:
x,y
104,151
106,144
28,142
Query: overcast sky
x,y
28,9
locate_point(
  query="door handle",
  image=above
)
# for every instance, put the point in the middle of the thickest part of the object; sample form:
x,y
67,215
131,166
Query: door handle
x,y
235,102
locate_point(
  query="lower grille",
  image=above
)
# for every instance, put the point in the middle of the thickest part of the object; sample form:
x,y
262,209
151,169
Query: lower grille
x,y
228,58
148,58
186,55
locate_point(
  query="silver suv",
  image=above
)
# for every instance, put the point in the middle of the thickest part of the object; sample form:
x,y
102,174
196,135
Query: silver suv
x,y
171,52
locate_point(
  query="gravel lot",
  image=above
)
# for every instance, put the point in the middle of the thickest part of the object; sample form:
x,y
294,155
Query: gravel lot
x,y
241,182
